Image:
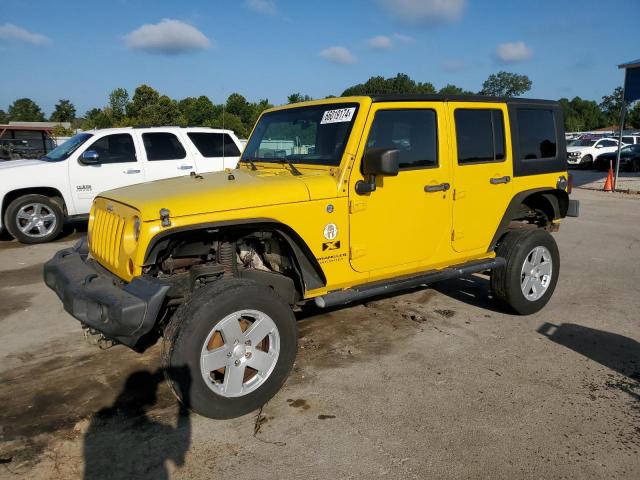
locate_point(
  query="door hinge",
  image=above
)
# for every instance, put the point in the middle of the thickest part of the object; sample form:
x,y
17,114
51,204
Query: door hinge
x,y
357,252
456,235
357,206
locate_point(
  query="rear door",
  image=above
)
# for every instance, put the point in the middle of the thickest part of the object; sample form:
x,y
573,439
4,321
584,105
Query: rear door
x,y
407,219
482,171
118,167
165,155
214,150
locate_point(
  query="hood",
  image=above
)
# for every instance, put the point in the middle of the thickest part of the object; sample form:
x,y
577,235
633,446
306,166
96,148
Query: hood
x,y
10,164
215,192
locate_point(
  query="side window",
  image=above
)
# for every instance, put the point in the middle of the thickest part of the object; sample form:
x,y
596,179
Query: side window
x,y
627,140
480,135
413,132
537,133
163,146
214,144
116,148
609,143
230,147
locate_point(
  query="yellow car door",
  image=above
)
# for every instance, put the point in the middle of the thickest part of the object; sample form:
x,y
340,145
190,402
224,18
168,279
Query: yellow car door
x,y
407,219
482,172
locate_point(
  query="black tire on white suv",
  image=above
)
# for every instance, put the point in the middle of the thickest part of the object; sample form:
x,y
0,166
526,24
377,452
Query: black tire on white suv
x,y
34,218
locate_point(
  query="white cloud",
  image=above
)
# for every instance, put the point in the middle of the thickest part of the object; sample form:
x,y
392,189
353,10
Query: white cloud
x,y
404,38
168,37
513,52
339,55
425,12
380,42
264,7
9,31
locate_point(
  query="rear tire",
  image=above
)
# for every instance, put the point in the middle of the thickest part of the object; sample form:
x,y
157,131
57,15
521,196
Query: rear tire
x,y
219,370
34,219
525,284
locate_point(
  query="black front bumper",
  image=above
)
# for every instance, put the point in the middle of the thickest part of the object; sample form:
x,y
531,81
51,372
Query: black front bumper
x,y
122,312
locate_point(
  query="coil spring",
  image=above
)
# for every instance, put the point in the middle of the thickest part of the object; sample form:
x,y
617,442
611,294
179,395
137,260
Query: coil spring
x,y
227,258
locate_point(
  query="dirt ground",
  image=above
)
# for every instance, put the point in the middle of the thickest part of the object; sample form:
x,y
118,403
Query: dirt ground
x,y
435,383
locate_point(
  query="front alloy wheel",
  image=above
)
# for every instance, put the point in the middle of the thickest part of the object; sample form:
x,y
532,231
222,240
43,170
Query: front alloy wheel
x,y
229,348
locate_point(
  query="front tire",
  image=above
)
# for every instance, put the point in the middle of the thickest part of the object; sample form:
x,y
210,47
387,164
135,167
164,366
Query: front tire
x,y
525,284
34,219
587,162
229,348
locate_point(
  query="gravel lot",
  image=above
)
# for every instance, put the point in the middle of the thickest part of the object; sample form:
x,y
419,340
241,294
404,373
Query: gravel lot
x,y
435,383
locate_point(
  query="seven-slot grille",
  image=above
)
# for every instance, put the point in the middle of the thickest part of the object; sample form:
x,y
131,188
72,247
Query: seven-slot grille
x,y
106,237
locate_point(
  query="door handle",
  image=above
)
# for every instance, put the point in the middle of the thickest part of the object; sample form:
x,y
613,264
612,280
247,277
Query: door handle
x,y
443,187
132,170
185,167
497,180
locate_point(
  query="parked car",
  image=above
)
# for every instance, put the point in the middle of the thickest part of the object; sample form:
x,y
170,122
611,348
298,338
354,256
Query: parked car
x,y
630,139
629,159
334,201
584,152
37,196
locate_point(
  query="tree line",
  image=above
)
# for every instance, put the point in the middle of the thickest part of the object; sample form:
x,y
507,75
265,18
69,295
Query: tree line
x,y
147,107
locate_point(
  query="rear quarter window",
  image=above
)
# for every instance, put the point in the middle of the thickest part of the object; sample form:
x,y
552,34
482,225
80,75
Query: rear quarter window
x,y
214,144
537,138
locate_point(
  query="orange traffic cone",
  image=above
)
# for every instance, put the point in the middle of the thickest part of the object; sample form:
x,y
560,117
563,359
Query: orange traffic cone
x,y
608,184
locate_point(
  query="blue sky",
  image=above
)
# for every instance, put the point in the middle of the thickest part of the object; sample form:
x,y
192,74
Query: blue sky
x,y
82,50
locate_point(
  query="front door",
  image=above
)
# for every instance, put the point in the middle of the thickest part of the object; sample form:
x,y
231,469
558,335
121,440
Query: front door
x,y
407,219
117,167
482,173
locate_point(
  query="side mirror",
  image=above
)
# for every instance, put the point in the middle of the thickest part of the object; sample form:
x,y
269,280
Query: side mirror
x,y
378,161
90,157
599,145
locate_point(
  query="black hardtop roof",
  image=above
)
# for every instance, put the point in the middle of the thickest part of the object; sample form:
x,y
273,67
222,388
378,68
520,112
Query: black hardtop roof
x,y
438,97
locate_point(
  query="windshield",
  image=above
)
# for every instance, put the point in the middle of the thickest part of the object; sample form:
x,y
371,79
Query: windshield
x,y
313,135
61,152
582,143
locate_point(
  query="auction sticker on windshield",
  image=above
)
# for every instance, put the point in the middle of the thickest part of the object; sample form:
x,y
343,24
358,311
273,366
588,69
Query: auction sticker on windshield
x,y
337,116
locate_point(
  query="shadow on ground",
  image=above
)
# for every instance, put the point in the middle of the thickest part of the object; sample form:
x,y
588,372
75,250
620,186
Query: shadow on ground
x,y
614,351
124,442
71,231
470,289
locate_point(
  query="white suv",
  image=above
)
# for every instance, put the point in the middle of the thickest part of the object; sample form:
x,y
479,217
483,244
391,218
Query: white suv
x,y
37,196
583,152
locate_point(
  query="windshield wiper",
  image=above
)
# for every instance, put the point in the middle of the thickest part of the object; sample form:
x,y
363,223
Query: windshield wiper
x,y
294,170
250,162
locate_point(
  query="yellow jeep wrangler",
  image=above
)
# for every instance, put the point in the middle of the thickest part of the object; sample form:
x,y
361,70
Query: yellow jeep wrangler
x,y
333,202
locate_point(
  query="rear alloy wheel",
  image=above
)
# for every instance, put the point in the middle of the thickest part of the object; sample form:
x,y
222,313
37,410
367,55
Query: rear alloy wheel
x,y
525,284
34,219
229,348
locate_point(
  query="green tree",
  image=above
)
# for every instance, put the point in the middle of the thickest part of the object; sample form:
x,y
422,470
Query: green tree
x,y
297,98
26,110
197,111
118,101
4,118
61,131
258,108
581,115
231,121
505,84
401,83
238,105
143,98
64,111
611,107
449,89
633,118
96,118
